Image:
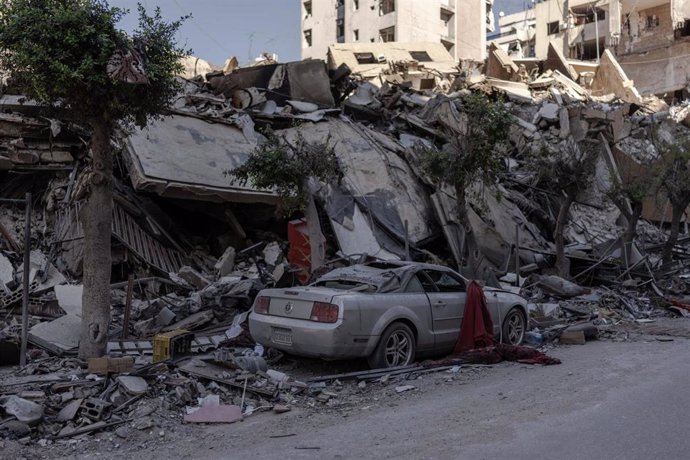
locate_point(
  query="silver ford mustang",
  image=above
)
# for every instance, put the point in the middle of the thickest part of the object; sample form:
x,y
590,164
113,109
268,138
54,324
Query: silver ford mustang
x,y
388,312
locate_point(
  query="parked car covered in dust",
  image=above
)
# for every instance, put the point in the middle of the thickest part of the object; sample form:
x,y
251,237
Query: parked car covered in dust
x,y
388,312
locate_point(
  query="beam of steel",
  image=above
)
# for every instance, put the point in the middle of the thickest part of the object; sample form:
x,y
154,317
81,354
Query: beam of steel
x,y
25,280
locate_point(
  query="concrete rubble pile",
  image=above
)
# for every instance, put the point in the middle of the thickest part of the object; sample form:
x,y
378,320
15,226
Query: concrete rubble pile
x,y
199,245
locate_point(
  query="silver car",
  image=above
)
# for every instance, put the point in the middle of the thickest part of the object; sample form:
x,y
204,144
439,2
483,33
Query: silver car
x,y
389,312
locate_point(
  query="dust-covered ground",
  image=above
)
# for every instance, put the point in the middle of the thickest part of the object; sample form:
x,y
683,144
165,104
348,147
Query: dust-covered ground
x,y
608,399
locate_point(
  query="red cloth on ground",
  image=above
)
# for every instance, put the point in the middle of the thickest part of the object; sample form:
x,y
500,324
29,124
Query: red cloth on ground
x,y
477,328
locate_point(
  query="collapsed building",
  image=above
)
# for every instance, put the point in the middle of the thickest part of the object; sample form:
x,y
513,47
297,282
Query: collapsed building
x,y
192,246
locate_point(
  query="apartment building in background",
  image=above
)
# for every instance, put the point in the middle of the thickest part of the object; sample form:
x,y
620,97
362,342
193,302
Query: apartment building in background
x,y
516,34
460,25
650,38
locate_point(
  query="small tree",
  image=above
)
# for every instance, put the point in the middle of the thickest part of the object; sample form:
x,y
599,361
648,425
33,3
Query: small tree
x,y
629,198
288,167
70,52
474,155
674,179
568,170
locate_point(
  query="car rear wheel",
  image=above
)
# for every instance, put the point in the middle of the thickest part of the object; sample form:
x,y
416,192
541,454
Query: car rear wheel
x,y
514,327
397,347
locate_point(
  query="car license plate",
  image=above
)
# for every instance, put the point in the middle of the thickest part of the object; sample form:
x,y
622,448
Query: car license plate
x,y
282,336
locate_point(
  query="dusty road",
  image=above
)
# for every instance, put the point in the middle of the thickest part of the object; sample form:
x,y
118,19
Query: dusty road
x,y
607,400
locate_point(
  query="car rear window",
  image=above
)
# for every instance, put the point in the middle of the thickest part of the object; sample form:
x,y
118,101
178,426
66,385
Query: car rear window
x,y
347,285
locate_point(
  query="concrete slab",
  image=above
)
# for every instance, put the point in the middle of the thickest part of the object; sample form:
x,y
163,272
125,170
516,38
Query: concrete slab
x,y
215,414
6,273
69,298
59,335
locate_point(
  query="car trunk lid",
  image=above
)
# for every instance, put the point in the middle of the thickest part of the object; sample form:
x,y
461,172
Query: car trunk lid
x,y
296,303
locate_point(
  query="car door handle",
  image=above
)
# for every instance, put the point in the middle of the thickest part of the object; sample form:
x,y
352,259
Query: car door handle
x,y
440,304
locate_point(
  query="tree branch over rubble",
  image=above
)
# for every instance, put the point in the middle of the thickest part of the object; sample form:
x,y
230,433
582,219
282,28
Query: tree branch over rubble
x,y
289,167
569,169
477,154
629,196
673,173
70,54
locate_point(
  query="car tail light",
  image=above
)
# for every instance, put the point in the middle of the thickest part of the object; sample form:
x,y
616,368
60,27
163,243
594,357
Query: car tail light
x,y
261,305
324,312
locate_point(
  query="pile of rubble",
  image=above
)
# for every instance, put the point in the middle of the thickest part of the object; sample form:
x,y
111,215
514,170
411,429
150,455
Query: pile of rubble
x,y
192,247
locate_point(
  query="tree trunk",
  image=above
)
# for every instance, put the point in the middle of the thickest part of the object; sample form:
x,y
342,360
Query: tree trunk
x,y
561,261
677,213
631,230
469,245
97,216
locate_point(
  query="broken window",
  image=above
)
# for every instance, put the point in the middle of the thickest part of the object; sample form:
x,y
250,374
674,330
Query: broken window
x,y
552,27
307,9
386,6
442,282
588,15
683,31
355,35
652,21
420,56
387,34
340,30
307,38
365,58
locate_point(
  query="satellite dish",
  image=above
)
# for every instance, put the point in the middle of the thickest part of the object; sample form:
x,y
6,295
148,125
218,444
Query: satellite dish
x,y
501,14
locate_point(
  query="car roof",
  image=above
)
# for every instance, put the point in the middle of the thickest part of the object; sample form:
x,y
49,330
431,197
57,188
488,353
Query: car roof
x,y
387,276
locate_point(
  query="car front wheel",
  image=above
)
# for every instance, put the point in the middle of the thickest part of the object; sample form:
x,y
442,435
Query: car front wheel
x,y
397,347
514,327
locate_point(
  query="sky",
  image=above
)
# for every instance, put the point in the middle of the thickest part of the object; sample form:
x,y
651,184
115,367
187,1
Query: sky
x,y
220,29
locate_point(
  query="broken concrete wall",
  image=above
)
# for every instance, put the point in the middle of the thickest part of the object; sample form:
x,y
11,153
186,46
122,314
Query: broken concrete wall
x,y
499,64
301,81
612,79
659,71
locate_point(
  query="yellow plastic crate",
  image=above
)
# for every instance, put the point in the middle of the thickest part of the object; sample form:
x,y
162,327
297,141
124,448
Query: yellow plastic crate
x,y
172,344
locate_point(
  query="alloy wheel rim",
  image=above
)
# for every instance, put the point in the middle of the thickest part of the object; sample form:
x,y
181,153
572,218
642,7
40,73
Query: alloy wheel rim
x,y
515,329
398,349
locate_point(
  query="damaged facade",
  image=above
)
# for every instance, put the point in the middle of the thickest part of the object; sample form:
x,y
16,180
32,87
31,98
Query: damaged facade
x,y
650,39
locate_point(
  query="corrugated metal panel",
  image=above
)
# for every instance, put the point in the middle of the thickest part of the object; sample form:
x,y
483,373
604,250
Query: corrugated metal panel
x,y
127,231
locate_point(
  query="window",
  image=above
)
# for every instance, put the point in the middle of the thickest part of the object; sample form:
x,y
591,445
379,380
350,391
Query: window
x,y
552,27
365,58
340,30
414,285
386,6
355,35
652,21
387,34
355,5
683,31
587,15
307,38
426,283
445,282
420,56
307,9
